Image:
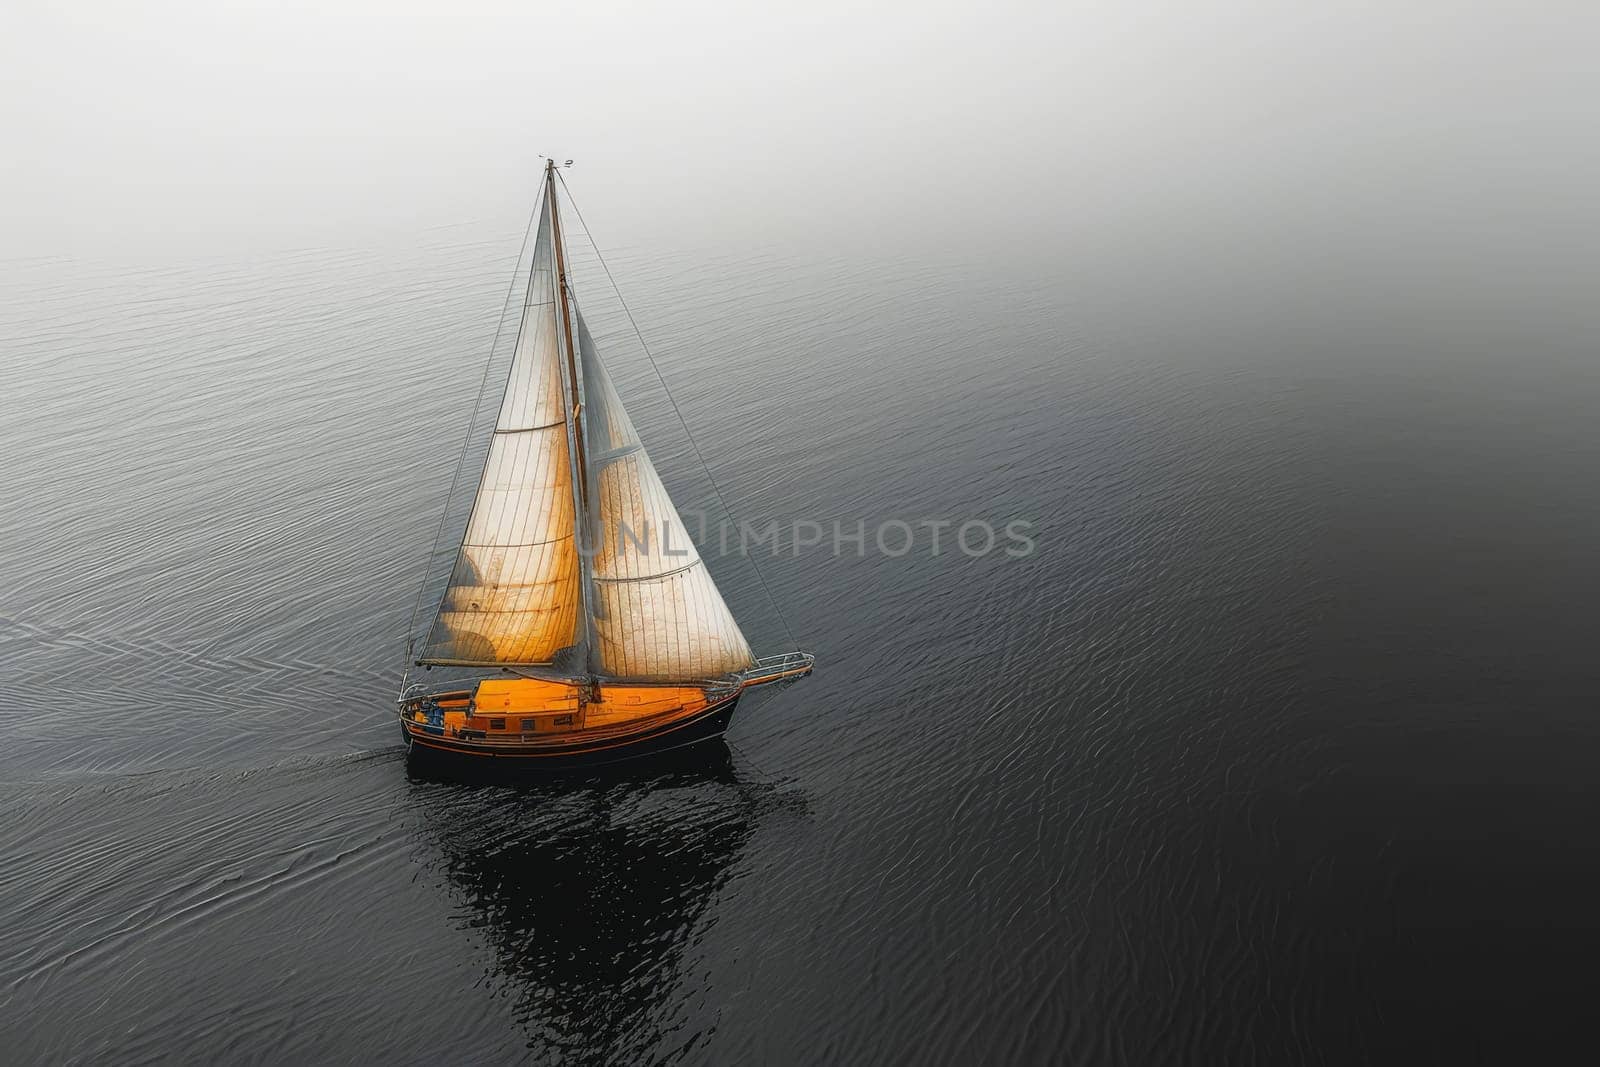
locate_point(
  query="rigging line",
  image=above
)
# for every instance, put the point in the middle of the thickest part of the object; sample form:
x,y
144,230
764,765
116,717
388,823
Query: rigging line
x,y
673,401
466,438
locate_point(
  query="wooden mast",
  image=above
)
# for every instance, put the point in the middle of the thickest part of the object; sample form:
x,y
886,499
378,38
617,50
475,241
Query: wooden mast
x,y
576,404
580,466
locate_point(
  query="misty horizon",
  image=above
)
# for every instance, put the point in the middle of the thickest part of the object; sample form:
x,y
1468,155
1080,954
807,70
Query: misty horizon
x,y
193,128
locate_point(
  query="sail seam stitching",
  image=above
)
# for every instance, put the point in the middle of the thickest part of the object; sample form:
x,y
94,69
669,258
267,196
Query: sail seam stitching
x,y
530,429
651,577
516,544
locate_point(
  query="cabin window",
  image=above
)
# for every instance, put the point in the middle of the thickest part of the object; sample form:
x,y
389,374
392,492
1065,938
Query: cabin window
x,y
527,726
563,720
497,724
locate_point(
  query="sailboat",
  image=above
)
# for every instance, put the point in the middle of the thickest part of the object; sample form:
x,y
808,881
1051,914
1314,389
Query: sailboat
x,y
580,621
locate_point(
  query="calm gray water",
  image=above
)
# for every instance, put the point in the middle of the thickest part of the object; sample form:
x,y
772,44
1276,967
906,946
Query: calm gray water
x,y
1280,747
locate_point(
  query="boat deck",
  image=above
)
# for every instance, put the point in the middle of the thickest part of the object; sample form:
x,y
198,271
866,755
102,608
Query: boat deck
x,y
524,709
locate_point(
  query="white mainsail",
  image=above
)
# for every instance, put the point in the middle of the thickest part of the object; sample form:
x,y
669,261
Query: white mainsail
x,y
655,611
513,596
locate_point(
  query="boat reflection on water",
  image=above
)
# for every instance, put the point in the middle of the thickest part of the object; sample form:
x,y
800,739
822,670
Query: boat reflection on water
x,y
591,892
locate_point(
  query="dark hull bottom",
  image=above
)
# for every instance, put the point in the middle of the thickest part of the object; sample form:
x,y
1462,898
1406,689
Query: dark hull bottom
x,y
429,756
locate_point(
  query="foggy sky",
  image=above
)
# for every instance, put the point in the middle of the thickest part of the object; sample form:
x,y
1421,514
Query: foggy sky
x,y
210,124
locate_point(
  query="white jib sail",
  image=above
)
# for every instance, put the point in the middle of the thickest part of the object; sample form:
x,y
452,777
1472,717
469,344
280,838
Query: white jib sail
x,y
656,612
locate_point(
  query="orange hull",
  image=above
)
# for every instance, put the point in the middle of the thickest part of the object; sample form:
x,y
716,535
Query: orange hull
x,y
530,719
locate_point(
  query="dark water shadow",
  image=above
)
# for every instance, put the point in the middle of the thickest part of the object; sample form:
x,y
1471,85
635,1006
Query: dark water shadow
x,y
595,891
